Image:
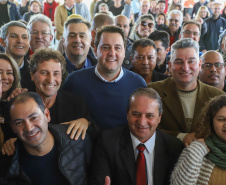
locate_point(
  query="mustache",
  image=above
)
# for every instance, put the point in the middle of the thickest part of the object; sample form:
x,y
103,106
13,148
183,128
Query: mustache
x,y
172,24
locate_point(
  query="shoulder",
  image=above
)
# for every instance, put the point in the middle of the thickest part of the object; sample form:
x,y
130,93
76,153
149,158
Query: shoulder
x,y
160,85
131,76
210,90
81,74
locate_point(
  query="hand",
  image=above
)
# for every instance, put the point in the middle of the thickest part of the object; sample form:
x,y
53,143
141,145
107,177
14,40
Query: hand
x,y
128,2
8,147
189,138
202,140
77,127
107,180
16,92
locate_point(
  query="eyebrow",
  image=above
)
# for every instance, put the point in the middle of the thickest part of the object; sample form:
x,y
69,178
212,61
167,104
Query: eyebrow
x,y
19,119
77,33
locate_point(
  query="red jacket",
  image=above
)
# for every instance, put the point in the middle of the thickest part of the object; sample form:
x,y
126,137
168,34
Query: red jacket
x,y
46,11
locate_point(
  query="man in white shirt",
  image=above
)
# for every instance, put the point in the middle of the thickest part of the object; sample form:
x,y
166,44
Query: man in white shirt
x,y
117,155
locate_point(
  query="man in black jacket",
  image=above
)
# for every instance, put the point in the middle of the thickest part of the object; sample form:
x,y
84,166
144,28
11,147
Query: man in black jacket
x,y
44,154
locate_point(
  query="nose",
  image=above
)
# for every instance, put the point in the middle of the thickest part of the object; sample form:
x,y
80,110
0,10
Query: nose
x,y
112,51
77,39
213,69
4,76
186,66
19,39
50,78
145,61
28,126
142,119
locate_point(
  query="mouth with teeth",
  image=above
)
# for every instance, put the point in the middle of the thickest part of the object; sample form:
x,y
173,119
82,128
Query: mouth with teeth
x,y
32,135
19,47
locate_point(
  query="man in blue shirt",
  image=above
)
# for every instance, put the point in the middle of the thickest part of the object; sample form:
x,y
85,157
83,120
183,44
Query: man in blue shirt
x,y
77,40
106,87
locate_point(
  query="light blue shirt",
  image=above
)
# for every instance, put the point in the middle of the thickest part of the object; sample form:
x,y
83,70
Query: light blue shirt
x,y
135,6
82,9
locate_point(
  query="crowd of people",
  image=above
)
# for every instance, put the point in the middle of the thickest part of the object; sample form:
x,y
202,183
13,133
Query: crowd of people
x,y
133,92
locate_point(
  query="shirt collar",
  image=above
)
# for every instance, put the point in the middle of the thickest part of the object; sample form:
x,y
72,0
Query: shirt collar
x,y
68,7
149,144
22,65
103,79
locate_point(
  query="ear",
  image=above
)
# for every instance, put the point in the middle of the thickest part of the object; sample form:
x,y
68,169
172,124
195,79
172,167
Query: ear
x,y
179,36
2,42
47,114
93,34
167,50
200,64
95,50
32,76
51,38
170,65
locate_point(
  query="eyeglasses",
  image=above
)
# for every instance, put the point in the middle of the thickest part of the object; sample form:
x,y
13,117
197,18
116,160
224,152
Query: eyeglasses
x,y
188,32
216,65
43,33
150,25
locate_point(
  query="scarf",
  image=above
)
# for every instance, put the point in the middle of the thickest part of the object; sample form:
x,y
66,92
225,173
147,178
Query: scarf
x,y
217,154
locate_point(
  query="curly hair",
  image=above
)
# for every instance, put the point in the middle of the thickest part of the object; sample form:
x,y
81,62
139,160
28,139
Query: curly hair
x,y
46,54
212,107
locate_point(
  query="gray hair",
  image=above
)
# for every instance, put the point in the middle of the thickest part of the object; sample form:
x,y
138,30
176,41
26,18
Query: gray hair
x,y
142,18
4,28
221,36
176,12
184,43
148,92
40,18
103,5
76,21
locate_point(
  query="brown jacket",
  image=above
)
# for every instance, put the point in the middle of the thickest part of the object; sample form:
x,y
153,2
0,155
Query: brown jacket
x,y
173,119
60,17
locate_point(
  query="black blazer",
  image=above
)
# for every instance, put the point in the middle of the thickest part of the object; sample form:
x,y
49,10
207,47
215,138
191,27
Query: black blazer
x,y
114,156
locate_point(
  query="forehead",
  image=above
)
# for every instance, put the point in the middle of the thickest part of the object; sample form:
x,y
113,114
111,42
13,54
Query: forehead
x,y
77,28
213,57
40,25
111,38
149,50
145,3
49,64
122,20
174,16
185,53
34,4
217,6
17,30
23,109
192,27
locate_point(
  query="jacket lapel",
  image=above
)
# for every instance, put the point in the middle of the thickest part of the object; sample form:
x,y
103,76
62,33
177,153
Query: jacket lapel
x,y
173,104
127,154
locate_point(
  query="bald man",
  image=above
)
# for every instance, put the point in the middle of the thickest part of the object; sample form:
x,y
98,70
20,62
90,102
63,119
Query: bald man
x,y
123,22
213,70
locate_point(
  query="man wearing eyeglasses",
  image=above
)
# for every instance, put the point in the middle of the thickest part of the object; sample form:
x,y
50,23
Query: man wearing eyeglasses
x,y
41,32
183,95
213,70
144,9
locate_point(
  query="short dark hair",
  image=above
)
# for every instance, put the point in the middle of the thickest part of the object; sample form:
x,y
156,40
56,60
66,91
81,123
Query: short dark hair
x,y
46,54
164,15
109,29
22,98
161,1
148,92
100,19
191,22
162,36
143,43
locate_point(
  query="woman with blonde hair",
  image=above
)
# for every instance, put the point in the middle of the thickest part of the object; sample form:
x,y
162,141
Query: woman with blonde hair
x,y
202,13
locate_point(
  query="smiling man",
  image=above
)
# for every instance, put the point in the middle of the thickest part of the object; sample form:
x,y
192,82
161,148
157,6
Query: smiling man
x,y
107,86
40,28
57,159
183,95
213,70
15,38
77,40
122,159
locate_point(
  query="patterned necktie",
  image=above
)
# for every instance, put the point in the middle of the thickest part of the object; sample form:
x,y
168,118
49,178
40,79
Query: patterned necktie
x,y
141,170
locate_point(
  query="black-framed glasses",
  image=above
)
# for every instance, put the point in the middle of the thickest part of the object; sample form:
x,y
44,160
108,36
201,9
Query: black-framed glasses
x,y
216,65
150,25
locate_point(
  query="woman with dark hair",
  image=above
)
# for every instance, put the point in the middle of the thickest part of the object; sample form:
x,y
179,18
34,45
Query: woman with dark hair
x,y
204,161
35,8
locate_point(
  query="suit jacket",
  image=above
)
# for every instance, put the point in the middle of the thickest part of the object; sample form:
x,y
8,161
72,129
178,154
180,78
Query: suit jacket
x,y
114,156
173,119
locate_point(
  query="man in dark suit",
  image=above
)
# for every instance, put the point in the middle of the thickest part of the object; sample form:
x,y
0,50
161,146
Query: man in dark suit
x,y
143,59
117,154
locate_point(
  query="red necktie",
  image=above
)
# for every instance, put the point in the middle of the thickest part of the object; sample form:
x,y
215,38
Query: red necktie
x,y
141,171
